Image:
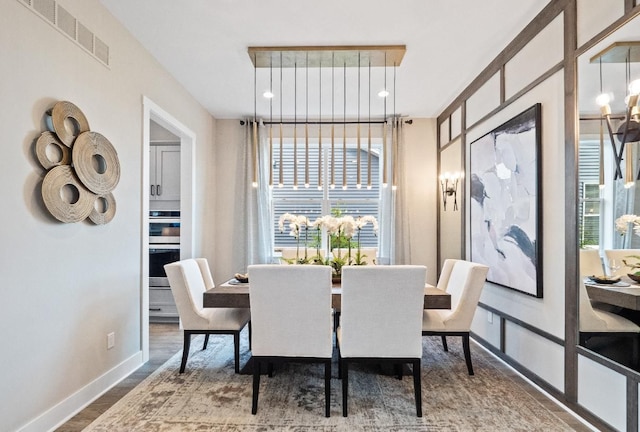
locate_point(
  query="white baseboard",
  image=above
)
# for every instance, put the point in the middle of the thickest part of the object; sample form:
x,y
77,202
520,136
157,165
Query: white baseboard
x,y
67,408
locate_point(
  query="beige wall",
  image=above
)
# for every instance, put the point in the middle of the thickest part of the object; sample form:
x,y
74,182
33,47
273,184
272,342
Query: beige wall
x,y
65,286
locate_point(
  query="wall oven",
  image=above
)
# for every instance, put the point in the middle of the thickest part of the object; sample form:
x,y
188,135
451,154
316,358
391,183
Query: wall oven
x,y
164,244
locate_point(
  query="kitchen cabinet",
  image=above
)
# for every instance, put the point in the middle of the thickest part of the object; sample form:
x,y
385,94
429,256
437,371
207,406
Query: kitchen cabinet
x,y
162,307
164,169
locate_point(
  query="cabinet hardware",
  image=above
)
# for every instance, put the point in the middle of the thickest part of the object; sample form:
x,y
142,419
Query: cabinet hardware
x,y
158,190
155,309
153,190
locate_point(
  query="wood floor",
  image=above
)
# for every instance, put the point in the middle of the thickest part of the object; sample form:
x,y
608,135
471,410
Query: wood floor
x,y
166,339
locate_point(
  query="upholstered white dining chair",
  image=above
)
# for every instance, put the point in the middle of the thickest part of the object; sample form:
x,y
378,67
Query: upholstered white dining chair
x,y
590,263
381,320
618,255
189,279
601,323
290,319
291,253
464,280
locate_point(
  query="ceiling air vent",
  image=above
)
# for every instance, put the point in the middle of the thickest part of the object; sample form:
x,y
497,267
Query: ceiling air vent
x,y
62,20
101,51
66,22
85,37
46,8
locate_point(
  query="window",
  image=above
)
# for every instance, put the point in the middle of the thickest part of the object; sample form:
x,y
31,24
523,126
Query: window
x,y
313,201
589,190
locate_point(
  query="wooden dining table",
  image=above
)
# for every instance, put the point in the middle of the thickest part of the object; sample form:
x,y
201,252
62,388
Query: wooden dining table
x,y
236,294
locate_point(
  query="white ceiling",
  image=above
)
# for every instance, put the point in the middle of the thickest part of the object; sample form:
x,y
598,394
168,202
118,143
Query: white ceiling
x,y
203,44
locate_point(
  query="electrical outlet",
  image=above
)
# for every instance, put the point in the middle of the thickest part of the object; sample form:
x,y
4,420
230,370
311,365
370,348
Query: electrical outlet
x,y
111,340
490,317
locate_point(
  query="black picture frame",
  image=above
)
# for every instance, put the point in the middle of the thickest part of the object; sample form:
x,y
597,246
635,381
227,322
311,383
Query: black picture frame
x,y
506,202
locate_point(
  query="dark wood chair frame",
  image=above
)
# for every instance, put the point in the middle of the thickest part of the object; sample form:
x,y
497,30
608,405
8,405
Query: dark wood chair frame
x,y
465,344
207,333
258,361
343,374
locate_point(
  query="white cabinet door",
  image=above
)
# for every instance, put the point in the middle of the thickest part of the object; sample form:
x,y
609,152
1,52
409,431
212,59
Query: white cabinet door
x,y
165,172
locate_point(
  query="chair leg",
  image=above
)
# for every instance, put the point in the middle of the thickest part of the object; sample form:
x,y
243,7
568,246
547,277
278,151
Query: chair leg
x,y
185,350
236,350
249,335
327,388
467,352
345,385
397,368
206,341
256,385
444,343
417,386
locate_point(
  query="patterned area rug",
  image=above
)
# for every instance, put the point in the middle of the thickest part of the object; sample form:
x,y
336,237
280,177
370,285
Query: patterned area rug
x,y
210,397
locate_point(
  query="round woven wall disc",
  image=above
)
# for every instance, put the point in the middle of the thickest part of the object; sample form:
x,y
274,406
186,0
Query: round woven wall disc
x,y
52,190
104,209
96,162
68,121
51,152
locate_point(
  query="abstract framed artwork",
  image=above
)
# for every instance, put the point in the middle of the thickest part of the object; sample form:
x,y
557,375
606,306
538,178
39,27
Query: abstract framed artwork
x,y
505,205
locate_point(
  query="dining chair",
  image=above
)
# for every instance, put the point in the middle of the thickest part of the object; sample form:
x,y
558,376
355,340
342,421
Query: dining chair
x,y
618,255
291,253
600,323
290,319
464,280
189,279
590,263
380,320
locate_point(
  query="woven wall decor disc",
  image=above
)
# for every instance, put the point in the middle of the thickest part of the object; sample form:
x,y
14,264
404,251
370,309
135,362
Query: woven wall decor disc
x,y
101,218
57,178
62,111
44,141
85,147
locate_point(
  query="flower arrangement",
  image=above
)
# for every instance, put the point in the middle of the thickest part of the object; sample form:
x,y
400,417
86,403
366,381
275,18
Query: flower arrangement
x,y
339,228
624,221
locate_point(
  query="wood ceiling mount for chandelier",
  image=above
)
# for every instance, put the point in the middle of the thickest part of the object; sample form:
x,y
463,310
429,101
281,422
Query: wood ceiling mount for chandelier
x,y
314,56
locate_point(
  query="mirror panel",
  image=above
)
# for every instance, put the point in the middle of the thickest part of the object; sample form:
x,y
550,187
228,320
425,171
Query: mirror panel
x,y
609,202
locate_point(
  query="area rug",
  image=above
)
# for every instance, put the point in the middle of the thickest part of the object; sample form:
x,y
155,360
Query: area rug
x,y
209,396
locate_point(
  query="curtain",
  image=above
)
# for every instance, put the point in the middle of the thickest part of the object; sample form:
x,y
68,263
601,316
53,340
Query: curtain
x,y
401,246
391,248
259,236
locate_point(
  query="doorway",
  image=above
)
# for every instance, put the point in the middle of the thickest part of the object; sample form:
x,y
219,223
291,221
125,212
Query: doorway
x,y
186,139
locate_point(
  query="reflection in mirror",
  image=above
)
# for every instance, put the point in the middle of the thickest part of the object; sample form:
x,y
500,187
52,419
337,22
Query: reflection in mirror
x,y
609,200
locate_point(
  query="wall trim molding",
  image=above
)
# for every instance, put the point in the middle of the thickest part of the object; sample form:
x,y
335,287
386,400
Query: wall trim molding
x,y
71,405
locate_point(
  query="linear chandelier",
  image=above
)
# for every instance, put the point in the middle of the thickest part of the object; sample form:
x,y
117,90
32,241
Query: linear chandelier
x,y
629,130
317,58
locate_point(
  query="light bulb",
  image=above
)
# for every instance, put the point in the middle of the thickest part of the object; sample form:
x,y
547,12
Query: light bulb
x,y
634,87
603,99
383,93
267,94
254,184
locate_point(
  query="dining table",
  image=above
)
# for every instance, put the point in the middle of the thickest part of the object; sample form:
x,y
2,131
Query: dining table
x,y
625,293
234,294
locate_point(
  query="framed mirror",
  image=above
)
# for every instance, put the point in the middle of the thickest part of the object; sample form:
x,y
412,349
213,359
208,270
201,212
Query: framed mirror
x,y
609,196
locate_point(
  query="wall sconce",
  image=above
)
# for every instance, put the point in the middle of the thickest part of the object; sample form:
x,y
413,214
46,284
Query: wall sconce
x,y
449,186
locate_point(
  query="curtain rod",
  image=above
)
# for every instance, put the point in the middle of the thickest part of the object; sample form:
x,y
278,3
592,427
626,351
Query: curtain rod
x,y
242,122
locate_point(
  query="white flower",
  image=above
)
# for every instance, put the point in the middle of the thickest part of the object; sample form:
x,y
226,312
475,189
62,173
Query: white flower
x,y
363,220
622,223
347,226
